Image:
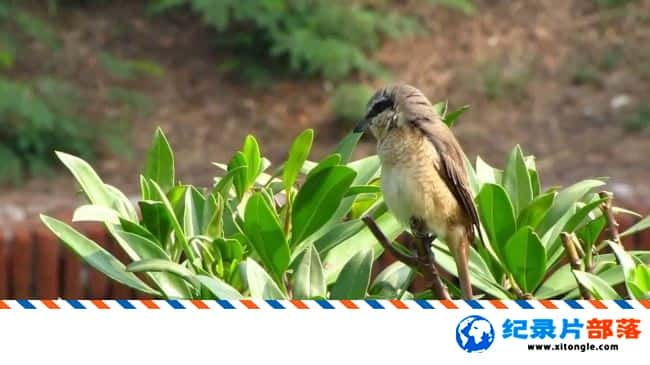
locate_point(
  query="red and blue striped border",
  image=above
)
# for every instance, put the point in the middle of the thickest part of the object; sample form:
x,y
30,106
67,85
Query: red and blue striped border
x,y
321,304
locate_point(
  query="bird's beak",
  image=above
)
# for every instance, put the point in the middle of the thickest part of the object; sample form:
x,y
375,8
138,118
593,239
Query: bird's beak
x,y
361,126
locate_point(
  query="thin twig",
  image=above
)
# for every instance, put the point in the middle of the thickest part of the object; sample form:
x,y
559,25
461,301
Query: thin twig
x,y
423,263
383,240
608,212
574,260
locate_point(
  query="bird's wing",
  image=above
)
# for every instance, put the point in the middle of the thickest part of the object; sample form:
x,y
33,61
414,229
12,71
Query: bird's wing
x,y
452,170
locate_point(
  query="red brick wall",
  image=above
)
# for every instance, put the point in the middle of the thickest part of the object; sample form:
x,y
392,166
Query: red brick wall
x,y
34,265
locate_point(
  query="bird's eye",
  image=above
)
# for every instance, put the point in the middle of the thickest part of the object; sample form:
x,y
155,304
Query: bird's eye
x,y
379,107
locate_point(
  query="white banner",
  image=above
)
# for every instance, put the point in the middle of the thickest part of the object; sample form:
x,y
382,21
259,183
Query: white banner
x,y
323,332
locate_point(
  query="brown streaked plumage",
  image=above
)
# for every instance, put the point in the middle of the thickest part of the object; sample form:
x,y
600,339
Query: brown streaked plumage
x,y
424,176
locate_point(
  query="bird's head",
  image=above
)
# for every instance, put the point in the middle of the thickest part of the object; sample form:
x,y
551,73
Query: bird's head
x,y
392,107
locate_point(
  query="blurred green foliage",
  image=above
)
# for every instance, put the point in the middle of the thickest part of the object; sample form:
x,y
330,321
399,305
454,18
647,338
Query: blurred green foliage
x,y
313,37
40,114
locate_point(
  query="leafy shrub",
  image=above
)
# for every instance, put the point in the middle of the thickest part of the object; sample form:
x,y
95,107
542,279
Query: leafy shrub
x,y
296,231
349,102
314,37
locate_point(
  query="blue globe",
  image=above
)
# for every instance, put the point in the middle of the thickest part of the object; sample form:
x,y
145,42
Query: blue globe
x,y
474,334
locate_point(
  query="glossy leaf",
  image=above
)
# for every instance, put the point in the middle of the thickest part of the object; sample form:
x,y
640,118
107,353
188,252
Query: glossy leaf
x,y
497,215
517,181
347,146
260,284
156,219
318,199
440,108
91,184
218,287
327,162
626,262
452,117
95,256
596,286
253,157
363,239
263,229
486,173
297,155
201,213
393,280
354,278
525,258
159,166
535,211
95,213
308,278
564,201
239,179
162,265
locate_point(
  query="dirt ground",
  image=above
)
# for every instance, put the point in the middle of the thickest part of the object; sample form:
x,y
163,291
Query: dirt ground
x,y
517,63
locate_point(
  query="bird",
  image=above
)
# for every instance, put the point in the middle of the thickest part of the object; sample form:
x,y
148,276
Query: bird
x,y
424,179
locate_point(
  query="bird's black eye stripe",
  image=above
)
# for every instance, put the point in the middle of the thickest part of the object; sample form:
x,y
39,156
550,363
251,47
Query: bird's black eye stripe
x,y
379,107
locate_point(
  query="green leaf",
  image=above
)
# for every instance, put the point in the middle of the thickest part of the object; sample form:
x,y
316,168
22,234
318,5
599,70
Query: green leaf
x,y
566,223
230,249
297,155
159,166
440,108
95,213
329,161
137,229
253,157
91,184
224,184
591,231
497,216
308,278
145,190
201,213
123,204
525,258
596,286
451,118
162,265
641,279
392,281
486,173
238,162
565,201
263,229
363,189
260,284
156,219
144,248
641,225
626,262
337,234
347,146
159,195
517,181
318,200
354,278
535,211
218,287
95,256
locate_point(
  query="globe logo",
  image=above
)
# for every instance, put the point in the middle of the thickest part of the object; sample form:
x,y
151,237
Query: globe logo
x,y
474,334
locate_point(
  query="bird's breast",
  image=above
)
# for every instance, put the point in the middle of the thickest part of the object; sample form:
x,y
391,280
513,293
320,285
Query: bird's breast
x,y
413,187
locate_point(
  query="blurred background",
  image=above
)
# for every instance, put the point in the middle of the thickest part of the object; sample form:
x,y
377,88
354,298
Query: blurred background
x,y
568,80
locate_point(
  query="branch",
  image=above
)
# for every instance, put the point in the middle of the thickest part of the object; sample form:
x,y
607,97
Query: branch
x,y
574,260
424,262
383,240
608,212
